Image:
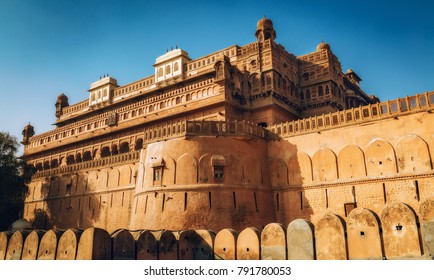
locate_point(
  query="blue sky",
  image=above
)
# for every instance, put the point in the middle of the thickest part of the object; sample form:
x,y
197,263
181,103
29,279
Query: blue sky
x,y
48,47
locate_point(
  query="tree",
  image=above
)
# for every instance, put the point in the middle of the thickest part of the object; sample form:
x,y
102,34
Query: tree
x,y
15,173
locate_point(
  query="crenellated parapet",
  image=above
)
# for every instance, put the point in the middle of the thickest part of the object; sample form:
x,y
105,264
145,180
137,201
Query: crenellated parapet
x,y
359,115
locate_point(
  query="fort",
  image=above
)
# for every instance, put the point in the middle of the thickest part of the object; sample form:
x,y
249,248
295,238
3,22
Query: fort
x,y
243,140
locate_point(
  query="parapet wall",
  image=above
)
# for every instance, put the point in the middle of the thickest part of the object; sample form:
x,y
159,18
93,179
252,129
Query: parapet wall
x,y
396,234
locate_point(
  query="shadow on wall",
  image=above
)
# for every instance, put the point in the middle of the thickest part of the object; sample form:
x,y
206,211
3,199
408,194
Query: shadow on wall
x,y
70,211
393,236
290,169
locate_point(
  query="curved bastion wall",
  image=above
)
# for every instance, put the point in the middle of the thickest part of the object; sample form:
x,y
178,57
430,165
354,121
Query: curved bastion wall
x,y
215,182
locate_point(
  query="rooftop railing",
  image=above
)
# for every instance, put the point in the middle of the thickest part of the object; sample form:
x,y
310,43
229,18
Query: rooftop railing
x,y
372,112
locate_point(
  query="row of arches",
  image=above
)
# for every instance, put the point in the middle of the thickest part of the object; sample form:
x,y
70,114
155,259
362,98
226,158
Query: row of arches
x,y
104,151
394,234
379,158
152,105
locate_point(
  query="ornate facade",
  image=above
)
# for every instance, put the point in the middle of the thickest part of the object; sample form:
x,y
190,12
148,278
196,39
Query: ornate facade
x,y
241,137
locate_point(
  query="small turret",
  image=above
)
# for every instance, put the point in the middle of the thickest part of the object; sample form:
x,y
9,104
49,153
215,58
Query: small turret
x,y
61,102
265,30
28,132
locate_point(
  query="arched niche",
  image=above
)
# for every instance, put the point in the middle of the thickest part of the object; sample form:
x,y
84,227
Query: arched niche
x,y
351,163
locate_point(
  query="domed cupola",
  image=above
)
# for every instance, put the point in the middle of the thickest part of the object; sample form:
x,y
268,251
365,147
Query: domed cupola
x,y
265,30
323,46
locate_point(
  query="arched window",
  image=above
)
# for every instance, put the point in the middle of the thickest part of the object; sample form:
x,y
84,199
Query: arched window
x,y
124,148
105,152
327,91
139,144
176,67
105,93
39,166
307,94
115,150
160,72
188,97
320,93
54,163
70,159
178,100
87,156
168,70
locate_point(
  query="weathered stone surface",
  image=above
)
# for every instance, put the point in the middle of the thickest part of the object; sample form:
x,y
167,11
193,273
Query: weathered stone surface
x,y
15,245
123,245
225,247
363,231
428,238
4,240
273,242
168,246
94,244
48,245
426,218
31,245
249,244
147,245
196,245
68,245
400,233
300,240
330,238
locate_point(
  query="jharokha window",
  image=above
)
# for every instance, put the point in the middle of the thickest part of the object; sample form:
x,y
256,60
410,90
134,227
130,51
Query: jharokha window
x,y
218,163
157,166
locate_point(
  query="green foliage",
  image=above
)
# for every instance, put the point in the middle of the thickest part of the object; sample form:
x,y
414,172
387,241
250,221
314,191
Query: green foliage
x,y
14,176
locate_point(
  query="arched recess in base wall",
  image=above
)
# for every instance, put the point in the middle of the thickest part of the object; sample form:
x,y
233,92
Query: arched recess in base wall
x,y
426,217
351,163
363,235
412,154
113,181
205,169
278,172
169,171
252,171
125,175
330,240
400,233
380,158
233,172
300,169
186,172
324,165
